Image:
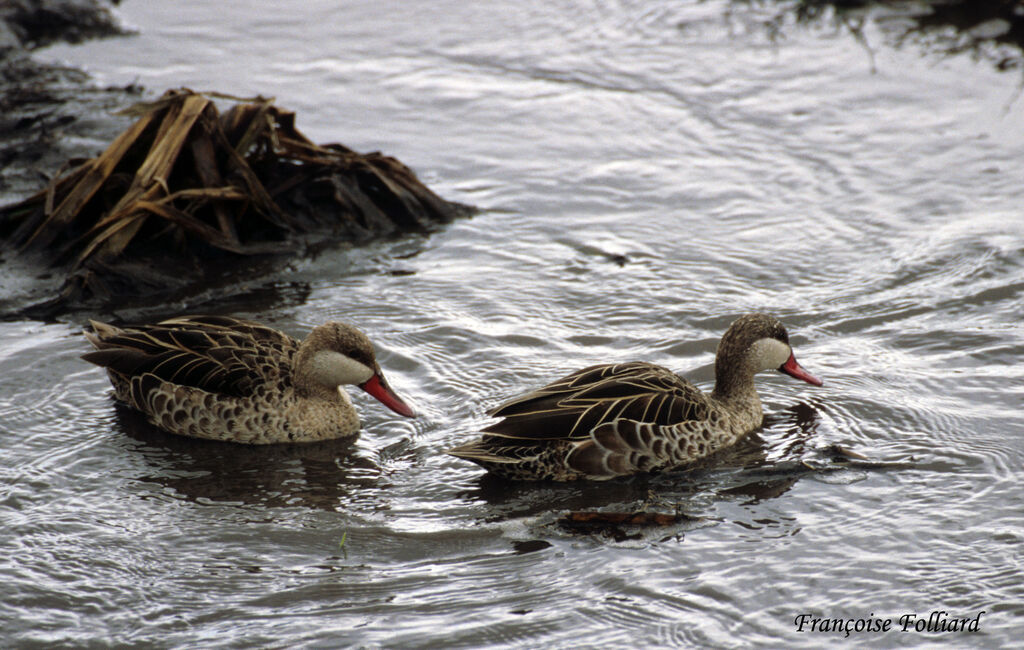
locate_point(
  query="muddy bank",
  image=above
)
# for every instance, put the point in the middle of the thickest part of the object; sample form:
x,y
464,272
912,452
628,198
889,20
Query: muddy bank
x,y
28,24
50,114
991,30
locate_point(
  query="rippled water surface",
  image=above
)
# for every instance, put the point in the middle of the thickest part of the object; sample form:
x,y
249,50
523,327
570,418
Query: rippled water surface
x,y
647,172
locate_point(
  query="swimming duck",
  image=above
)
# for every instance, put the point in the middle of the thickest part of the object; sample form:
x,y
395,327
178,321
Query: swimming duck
x,y
619,419
229,379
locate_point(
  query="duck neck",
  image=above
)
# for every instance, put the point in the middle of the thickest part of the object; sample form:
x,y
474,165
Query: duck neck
x,y
738,398
734,385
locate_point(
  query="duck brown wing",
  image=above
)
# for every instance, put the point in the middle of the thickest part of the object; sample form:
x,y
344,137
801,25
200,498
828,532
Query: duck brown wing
x,y
246,332
217,354
569,408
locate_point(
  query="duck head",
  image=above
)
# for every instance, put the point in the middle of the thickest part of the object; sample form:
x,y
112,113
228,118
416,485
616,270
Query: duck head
x,y
335,354
753,343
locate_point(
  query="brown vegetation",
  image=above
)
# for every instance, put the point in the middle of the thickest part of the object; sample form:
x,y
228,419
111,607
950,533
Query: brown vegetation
x,y
185,186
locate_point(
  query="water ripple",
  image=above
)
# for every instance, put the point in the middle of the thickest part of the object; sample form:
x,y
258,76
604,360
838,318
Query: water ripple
x,y
649,170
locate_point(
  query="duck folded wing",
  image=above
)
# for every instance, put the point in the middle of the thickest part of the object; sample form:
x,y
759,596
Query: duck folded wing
x,y
617,448
194,353
568,409
627,446
241,331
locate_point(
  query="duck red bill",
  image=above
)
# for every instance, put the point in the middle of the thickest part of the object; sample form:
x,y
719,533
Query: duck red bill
x,y
377,387
794,369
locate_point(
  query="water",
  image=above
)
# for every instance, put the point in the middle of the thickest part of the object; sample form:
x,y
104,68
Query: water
x,y
648,171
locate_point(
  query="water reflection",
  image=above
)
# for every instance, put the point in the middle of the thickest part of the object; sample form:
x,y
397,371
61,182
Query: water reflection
x,y
991,29
757,491
797,426
515,499
323,475
727,487
896,197
233,298
752,468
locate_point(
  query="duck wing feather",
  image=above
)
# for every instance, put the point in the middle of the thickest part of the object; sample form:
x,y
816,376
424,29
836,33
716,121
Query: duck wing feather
x,y
624,447
215,353
571,407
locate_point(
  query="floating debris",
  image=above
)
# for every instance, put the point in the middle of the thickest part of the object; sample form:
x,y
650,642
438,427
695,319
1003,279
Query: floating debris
x,y
186,191
620,526
598,518
838,452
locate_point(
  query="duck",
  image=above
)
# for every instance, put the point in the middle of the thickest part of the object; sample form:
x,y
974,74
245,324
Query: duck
x,y
613,420
229,379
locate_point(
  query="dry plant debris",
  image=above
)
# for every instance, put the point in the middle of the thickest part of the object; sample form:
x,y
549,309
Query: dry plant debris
x,y
186,186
